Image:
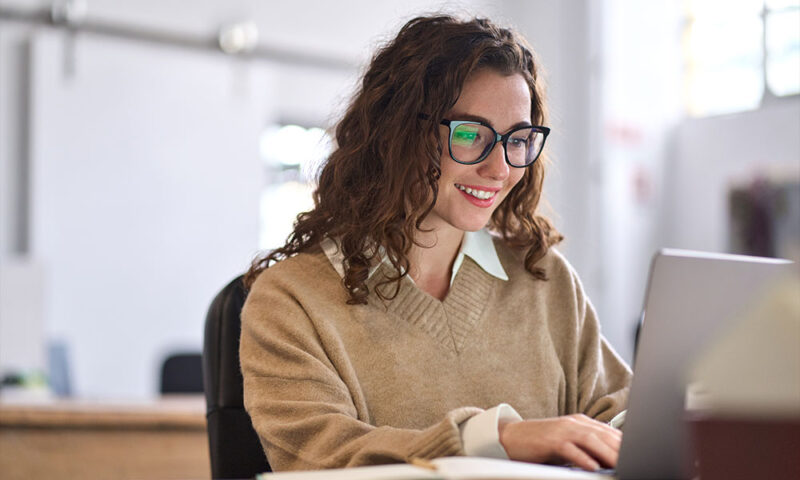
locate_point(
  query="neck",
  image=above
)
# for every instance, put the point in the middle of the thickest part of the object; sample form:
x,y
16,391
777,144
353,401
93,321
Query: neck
x,y
432,263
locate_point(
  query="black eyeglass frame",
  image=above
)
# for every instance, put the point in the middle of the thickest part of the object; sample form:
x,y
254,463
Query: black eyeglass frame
x,y
452,124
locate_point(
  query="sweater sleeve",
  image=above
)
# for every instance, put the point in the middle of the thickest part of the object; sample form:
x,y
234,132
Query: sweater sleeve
x,y
302,408
603,377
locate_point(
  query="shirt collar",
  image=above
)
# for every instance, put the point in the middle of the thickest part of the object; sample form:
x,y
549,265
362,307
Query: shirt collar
x,y
476,245
479,246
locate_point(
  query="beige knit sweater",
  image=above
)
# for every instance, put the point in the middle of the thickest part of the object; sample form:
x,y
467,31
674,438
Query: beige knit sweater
x,y
332,385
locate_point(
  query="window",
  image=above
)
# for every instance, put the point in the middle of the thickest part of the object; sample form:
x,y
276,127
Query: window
x,y
783,46
740,53
290,154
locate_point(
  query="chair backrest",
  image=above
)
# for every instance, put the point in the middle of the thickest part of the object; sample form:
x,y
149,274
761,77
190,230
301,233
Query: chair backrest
x,y
234,446
182,373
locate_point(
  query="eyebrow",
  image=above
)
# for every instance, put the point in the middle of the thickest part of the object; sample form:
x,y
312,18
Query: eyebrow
x,y
478,118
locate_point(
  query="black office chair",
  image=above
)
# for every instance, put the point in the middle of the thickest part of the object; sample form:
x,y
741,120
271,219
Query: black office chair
x,y
233,444
182,373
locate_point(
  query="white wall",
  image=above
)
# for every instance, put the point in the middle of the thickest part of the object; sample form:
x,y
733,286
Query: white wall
x,y
21,340
713,154
145,180
640,62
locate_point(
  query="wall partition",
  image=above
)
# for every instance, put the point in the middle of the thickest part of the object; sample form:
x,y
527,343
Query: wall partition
x,y
145,186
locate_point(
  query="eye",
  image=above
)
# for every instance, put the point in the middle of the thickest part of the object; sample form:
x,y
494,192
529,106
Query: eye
x,y
518,142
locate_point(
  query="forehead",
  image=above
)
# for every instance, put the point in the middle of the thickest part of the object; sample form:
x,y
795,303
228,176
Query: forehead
x,y
504,100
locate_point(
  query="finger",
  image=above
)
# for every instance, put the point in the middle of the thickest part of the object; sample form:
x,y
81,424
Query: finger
x,y
612,437
600,427
603,449
585,431
570,453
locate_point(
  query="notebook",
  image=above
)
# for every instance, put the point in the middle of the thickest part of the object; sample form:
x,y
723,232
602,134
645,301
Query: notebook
x,y
445,468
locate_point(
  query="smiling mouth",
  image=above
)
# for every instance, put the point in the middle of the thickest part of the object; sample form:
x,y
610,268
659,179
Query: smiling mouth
x,y
479,194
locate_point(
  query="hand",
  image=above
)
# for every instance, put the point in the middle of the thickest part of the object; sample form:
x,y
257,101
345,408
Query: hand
x,y
575,439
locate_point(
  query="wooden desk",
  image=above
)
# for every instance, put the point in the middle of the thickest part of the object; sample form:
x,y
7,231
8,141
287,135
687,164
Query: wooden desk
x,y
164,439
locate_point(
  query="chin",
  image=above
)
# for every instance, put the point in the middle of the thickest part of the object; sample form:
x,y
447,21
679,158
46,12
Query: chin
x,y
472,225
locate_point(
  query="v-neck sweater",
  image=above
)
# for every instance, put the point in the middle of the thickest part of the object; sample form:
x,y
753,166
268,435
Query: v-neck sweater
x,y
330,385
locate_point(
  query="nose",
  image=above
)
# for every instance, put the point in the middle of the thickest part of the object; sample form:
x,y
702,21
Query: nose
x,y
494,166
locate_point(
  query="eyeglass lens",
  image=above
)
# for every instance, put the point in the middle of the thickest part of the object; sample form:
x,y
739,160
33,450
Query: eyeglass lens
x,y
471,142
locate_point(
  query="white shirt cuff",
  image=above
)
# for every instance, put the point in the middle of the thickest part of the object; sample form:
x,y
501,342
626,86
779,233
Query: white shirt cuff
x,y
480,434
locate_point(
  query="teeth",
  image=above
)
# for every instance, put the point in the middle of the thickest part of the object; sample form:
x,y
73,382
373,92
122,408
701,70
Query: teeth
x,y
481,194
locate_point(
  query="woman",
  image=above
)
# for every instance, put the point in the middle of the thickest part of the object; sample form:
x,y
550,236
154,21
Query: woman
x,y
419,310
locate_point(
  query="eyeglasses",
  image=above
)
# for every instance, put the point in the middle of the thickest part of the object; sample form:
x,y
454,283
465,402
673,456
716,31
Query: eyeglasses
x,y
471,142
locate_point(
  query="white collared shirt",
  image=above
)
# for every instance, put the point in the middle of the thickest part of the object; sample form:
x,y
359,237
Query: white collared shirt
x,y
476,245
479,434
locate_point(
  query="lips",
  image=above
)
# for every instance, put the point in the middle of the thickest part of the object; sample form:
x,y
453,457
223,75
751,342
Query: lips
x,y
482,197
481,193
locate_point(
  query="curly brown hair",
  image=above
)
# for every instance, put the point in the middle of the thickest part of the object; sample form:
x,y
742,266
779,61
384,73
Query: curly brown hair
x,y
380,182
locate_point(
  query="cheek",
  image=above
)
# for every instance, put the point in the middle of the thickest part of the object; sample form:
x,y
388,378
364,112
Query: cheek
x,y
451,170
443,146
446,175
515,176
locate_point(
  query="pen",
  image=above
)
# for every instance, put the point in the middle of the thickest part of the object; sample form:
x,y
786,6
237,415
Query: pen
x,y
421,462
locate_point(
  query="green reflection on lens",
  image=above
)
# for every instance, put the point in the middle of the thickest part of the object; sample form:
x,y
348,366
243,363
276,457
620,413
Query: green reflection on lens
x,y
465,135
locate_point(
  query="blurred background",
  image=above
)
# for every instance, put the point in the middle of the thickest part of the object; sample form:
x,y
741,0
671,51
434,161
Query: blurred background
x,y
149,149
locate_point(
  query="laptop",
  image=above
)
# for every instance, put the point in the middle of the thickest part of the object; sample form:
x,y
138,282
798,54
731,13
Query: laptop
x,y
691,298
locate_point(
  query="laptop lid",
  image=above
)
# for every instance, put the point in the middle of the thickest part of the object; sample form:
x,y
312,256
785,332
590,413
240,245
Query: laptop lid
x,y
690,298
